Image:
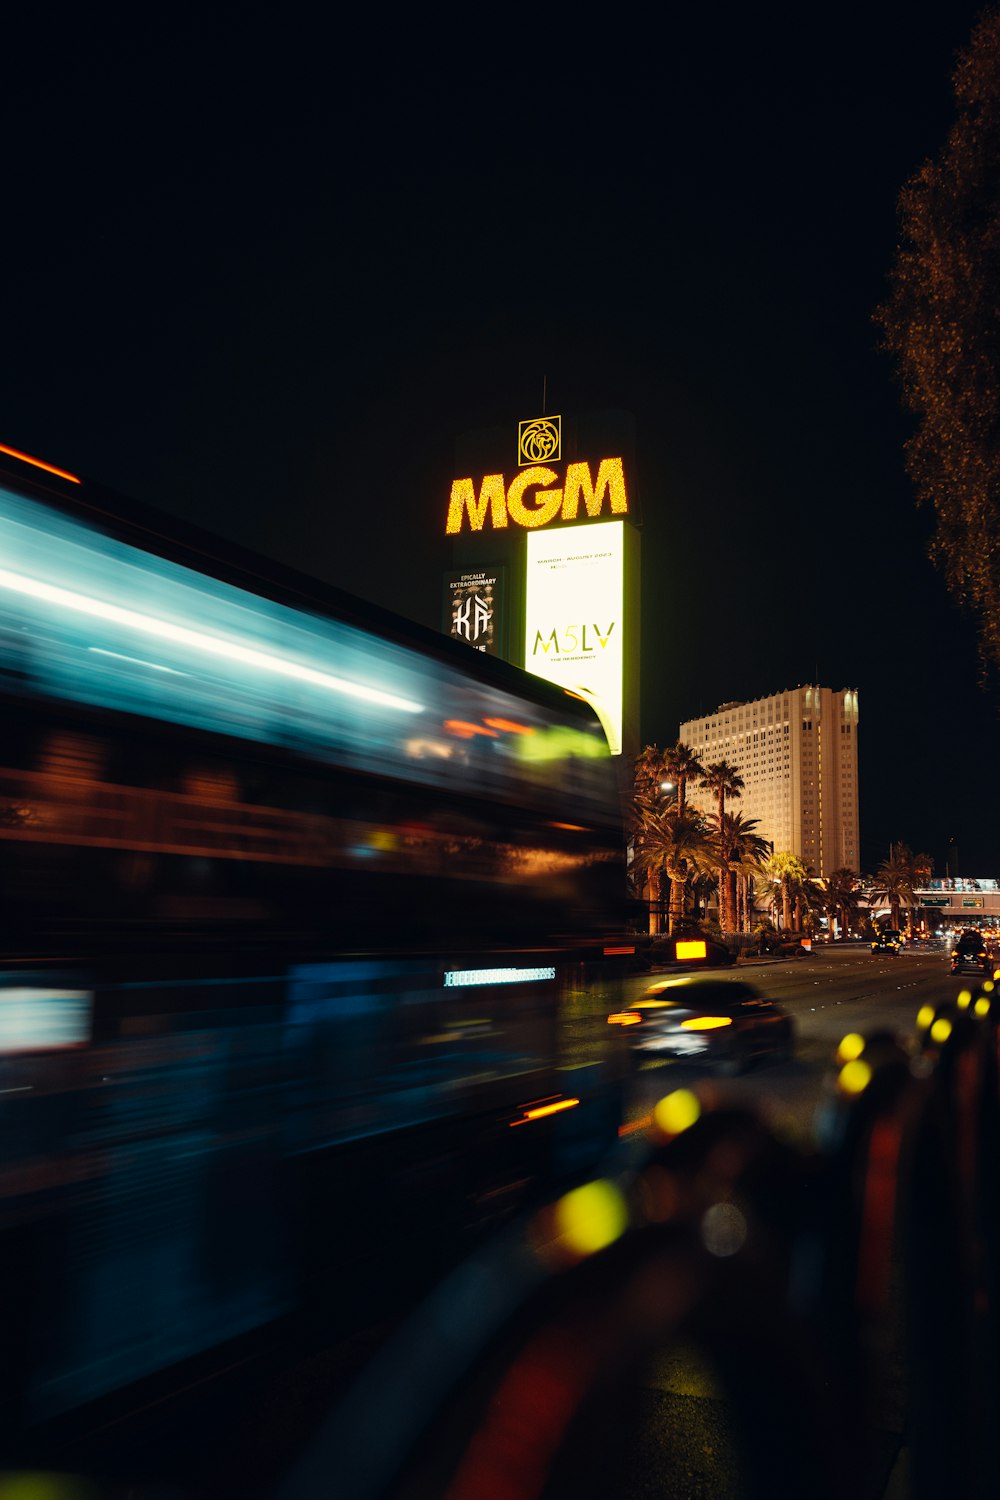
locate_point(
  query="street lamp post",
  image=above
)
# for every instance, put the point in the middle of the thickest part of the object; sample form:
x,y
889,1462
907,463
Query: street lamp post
x,y
666,787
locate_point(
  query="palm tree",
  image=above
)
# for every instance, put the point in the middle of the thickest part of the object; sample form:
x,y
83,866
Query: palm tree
x,y
703,884
923,869
785,873
654,772
725,781
808,896
755,851
842,898
894,880
681,765
674,843
741,854
649,774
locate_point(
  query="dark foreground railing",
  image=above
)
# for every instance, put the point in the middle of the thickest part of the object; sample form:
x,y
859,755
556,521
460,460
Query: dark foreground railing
x,y
845,1296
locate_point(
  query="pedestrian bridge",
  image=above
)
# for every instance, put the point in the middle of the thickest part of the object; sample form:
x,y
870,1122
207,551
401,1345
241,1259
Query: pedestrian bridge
x,y
970,900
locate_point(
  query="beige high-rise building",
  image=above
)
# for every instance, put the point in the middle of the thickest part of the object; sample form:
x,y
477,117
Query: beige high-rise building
x,y
797,753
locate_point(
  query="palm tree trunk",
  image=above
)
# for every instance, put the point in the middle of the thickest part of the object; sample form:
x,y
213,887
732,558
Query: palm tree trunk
x,y
654,897
722,869
675,910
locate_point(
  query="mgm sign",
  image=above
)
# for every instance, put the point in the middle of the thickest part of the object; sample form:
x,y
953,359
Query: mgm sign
x,y
558,531
534,496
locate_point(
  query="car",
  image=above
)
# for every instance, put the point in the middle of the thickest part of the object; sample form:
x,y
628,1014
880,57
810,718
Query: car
x,y
793,947
690,950
725,1024
969,953
885,942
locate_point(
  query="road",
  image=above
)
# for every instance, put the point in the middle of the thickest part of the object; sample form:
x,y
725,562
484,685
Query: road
x,y
683,1440
682,1431
685,1443
687,1446
828,994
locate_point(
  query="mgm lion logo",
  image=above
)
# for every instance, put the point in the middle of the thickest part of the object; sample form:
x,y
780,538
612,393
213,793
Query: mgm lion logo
x,y
539,440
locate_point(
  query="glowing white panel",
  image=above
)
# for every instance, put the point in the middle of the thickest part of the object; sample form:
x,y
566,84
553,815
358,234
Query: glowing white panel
x,y
198,640
574,615
460,978
35,1020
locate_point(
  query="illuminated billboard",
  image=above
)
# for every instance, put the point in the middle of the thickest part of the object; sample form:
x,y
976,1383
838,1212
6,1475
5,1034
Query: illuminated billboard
x,y
574,616
473,604
536,496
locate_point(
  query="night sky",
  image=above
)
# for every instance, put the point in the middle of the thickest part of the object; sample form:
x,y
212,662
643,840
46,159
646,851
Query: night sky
x,y
262,272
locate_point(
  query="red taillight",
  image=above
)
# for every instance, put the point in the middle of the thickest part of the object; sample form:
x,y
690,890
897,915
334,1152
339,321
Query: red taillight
x,y
543,1108
38,463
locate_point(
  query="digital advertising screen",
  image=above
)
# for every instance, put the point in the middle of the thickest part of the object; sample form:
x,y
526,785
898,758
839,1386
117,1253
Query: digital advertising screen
x,y
473,605
574,615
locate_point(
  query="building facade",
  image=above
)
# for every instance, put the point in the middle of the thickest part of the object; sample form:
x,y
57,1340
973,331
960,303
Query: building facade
x,y
797,752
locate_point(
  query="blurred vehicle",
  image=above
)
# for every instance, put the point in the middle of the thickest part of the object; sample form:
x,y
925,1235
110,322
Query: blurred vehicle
x,y
723,1023
970,955
691,950
886,942
298,961
793,947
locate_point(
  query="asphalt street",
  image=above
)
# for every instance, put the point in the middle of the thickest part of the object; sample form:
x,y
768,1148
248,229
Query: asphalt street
x,y
828,994
687,1445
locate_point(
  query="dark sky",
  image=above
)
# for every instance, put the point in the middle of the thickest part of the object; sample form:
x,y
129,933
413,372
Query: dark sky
x,y
261,271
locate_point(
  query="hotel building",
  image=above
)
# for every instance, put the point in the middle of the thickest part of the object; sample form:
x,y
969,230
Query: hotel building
x,y
797,753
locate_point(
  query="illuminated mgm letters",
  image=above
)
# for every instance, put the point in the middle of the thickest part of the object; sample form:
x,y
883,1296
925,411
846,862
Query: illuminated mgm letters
x,y
534,497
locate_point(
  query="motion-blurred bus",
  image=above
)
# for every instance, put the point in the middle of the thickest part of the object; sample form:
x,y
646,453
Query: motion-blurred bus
x,y
299,978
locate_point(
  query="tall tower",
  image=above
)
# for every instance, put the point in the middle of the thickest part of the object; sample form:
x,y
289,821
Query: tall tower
x,y
797,752
545,550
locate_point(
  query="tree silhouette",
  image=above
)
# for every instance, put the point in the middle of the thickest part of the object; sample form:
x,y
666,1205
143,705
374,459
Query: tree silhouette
x,y
723,780
941,322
